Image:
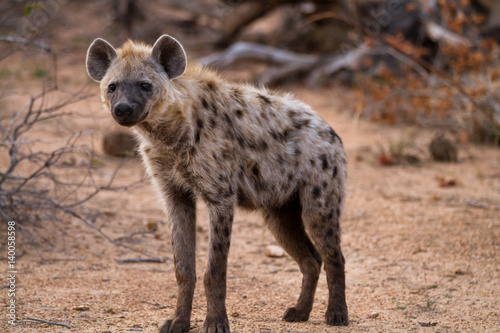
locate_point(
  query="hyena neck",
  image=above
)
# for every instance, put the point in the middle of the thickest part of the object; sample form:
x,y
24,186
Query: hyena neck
x,y
172,125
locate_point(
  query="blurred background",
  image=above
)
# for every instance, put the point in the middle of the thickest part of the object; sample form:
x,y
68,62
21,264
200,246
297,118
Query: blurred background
x,y
441,55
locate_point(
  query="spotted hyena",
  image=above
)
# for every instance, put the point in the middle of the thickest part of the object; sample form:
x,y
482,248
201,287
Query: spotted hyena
x,y
229,145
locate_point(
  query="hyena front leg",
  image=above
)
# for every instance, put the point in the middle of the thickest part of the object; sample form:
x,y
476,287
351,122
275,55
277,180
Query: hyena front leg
x,y
181,206
221,220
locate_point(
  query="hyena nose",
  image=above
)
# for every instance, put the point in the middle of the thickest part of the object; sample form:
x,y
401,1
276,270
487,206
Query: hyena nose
x,y
123,110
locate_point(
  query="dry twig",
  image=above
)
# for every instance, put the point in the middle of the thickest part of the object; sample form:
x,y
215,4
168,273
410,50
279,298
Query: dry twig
x,y
49,184
41,321
141,260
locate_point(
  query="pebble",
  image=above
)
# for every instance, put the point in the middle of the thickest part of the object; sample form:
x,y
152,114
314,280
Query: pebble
x,y
82,308
274,251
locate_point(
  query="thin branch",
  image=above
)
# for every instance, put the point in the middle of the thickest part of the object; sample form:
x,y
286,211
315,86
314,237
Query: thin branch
x,y
41,321
440,34
33,241
39,187
141,260
98,189
253,51
403,58
93,226
334,64
47,163
381,38
24,41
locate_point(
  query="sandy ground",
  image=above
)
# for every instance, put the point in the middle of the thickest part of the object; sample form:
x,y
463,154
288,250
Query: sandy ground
x,y
416,253
420,257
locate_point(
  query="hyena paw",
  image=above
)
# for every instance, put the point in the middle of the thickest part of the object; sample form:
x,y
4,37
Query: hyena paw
x,y
294,314
337,317
216,325
175,325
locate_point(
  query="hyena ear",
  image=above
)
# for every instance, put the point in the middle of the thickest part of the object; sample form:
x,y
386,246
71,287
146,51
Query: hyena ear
x,y
99,57
169,53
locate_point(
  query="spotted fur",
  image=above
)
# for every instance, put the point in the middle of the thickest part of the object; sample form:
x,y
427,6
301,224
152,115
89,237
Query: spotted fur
x,y
230,145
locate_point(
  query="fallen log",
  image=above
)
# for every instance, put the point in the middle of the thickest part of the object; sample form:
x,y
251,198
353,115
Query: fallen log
x,y
253,51
285,63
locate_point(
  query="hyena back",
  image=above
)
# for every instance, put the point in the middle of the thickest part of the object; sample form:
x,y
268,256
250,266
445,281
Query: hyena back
x,y
230,145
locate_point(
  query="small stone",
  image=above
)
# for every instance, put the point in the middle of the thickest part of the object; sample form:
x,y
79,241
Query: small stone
x,y
161,306
274,251
120,144
443,149
151,226
110,311
81,308
427,324
235,314
373,315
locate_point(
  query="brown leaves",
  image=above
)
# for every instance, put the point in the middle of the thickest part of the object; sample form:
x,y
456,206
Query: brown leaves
x,y
411,7
460,98
405,46
384,117
446,182
463,59
386,160
400,152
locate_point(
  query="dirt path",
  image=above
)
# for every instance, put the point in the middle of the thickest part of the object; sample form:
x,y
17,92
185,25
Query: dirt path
x,y
416,254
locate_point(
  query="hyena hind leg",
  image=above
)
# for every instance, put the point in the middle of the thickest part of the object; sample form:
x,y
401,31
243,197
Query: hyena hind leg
x,y
286,225
322,225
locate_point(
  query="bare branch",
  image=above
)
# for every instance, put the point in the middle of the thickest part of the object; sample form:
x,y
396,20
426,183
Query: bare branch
x,y
334,64
141,260
440,34
41,321
32,186
252,51
24,41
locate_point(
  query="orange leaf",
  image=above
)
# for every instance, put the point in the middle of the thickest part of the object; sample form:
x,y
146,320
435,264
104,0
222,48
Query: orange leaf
x,y
386,160
411,7
443,182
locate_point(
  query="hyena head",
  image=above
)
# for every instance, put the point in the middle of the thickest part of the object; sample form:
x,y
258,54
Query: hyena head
x,y
135,77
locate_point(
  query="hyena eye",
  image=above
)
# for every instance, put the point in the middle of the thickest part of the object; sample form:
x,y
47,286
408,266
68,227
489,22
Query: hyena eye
x,y
111,87
146,86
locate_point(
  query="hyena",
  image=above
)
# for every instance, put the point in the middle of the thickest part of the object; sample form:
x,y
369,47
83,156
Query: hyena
x,y
230,145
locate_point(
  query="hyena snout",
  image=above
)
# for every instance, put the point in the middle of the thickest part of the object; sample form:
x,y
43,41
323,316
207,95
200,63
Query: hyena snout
x,y
128,114
123,110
